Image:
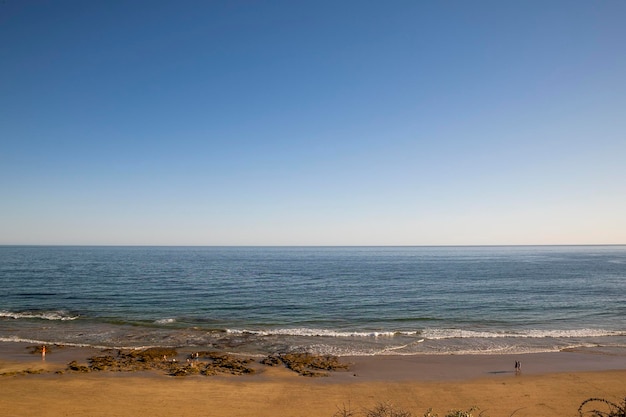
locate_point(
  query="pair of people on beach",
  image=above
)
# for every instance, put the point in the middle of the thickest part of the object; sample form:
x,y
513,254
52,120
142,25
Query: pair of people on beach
x,y
518,367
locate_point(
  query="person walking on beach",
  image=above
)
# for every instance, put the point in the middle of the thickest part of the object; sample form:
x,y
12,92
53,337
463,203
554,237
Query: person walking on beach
x,y
43,352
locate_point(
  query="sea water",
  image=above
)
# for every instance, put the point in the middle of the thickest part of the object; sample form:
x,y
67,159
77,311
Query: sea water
x,y
327,300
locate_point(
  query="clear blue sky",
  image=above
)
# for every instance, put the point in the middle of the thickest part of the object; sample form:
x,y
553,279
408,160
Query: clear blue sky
x,y
312,122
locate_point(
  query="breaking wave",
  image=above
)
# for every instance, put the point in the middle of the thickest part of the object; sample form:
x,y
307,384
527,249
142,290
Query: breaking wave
x,y
165,321
436,334
318,333
432,334
41,315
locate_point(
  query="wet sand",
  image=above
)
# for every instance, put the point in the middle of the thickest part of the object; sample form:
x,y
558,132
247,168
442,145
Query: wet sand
x,y
550,384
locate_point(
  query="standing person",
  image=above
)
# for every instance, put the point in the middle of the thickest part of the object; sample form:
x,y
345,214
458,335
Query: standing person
x,y
43,352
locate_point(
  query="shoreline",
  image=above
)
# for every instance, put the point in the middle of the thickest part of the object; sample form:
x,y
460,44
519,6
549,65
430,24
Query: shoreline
x,y
550,384
419,367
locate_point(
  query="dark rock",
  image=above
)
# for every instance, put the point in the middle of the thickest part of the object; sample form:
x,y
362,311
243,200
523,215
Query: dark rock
x,y
307,364
76,367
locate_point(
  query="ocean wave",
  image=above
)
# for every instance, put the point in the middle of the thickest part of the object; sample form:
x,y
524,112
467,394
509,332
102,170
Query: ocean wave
x,y
437,334
165,321
318,333
16,339
42,315
431,334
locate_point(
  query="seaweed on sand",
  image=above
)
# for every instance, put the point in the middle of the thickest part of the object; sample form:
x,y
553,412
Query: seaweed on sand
x,y
28,371
614,410
222,363
306,364
127,361
205,363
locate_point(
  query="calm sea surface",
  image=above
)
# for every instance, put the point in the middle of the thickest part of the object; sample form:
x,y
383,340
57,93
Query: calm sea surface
x,y
338,300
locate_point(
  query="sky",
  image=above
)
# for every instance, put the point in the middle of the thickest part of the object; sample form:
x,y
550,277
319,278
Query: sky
x,y
312,122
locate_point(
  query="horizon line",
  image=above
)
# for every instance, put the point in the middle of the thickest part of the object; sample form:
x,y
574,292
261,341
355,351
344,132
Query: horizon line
x,y
307,246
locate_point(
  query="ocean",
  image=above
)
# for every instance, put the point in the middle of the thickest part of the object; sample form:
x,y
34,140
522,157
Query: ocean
x,y
328,300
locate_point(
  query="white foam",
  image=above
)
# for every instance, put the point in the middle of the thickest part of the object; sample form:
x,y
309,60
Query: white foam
x,y
15,339
315,333
432,334
165,321
44,315
437,334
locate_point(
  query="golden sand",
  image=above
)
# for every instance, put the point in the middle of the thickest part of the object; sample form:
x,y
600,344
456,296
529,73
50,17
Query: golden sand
x,y
410,383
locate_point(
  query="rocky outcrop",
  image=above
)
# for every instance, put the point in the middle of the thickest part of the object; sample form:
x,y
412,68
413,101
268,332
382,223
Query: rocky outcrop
x,y
206,363
306,364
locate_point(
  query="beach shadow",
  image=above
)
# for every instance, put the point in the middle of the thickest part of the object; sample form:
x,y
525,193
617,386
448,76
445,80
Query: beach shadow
x,y
501,372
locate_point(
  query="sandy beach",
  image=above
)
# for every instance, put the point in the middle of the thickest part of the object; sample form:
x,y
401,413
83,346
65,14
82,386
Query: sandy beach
x,y
550,384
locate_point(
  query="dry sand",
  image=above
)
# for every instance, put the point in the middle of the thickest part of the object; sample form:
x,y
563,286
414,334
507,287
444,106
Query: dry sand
x,y
552,384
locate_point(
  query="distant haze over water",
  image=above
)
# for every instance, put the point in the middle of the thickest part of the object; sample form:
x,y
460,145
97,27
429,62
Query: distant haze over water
x,y
337,300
